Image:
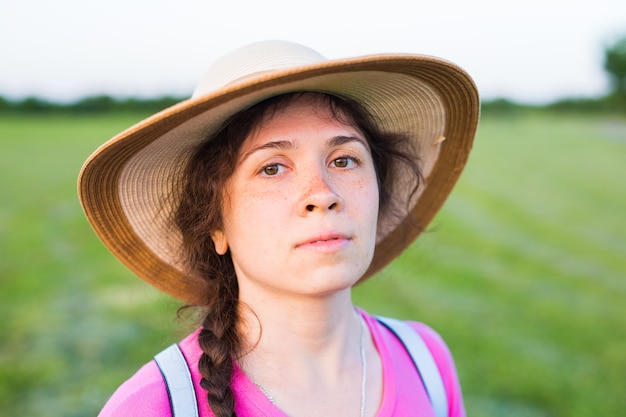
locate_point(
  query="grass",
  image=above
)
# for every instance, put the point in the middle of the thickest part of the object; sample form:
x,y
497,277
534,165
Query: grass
x,y
523,273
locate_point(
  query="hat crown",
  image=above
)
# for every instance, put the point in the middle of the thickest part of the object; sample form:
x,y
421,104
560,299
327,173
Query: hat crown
x,y
253,59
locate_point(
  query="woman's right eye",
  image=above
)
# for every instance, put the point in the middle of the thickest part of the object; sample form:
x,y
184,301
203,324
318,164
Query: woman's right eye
x,y
271,170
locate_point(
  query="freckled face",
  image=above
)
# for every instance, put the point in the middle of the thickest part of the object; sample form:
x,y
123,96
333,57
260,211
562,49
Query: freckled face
x,y
301,208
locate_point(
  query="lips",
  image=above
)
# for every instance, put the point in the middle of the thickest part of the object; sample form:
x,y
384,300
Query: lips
x,y
328,241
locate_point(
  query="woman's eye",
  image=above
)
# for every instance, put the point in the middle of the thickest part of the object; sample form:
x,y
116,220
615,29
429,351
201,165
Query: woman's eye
x,y
343,162
271,170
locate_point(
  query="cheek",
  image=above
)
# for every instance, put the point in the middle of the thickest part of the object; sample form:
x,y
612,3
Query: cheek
x,y
373,203
252,216
368,189
364,198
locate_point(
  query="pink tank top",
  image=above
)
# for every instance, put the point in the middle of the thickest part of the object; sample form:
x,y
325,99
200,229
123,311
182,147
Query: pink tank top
x,y
145,394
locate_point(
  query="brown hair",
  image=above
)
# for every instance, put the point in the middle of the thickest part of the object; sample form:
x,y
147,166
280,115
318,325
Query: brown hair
x,y
200,212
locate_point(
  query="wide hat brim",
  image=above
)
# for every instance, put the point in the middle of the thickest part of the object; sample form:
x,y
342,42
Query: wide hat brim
x,y
125,187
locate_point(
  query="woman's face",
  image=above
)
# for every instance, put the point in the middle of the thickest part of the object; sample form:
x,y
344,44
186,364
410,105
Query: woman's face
x,y
301,208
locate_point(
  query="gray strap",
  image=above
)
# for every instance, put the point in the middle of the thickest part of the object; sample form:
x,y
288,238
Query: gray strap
x,y
178,381
424,362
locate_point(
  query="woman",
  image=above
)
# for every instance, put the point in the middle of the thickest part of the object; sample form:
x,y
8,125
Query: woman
x,y
284,181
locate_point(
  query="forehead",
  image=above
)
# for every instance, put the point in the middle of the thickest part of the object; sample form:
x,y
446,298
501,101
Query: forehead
x,y
303,111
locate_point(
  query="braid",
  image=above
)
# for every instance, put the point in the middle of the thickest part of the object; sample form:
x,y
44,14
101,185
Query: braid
x,y
218,340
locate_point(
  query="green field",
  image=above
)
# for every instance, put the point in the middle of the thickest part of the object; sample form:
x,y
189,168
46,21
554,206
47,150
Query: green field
x,y
523,273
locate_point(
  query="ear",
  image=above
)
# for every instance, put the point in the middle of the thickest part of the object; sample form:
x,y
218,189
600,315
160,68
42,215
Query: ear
x,y
220,242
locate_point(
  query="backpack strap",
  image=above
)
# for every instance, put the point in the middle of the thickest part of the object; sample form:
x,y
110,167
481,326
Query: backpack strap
x,y
177,378
424,363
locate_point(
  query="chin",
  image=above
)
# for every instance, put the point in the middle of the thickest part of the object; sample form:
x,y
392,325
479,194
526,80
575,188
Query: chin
x,y
322,284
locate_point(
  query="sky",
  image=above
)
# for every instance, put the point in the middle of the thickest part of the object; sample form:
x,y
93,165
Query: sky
x,y
534,51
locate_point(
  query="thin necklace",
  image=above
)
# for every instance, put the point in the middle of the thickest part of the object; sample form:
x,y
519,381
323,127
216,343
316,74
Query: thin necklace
x,y
264,391
363,372
363,366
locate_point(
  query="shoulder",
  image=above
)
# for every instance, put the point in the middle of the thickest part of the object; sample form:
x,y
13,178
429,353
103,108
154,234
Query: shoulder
x,y
433,340
435,343
445,363
143,395
442,358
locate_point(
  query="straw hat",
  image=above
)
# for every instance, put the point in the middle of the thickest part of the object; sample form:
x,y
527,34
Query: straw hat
x,y
124,186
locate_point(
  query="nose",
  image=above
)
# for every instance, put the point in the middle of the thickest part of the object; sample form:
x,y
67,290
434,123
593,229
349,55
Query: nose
x,y
318,194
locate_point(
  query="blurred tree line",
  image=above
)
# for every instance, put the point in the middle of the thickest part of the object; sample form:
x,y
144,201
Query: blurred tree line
x,y
88,105
613,103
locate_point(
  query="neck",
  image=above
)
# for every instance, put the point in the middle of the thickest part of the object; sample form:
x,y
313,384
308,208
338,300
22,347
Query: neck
x,y
299,326
296,347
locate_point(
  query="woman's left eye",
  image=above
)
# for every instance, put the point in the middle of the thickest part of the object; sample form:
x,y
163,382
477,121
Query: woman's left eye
x,y
344,162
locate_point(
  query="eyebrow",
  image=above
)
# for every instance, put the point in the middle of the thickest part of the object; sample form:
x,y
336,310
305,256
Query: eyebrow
x,y
279,144
286,144
340,140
